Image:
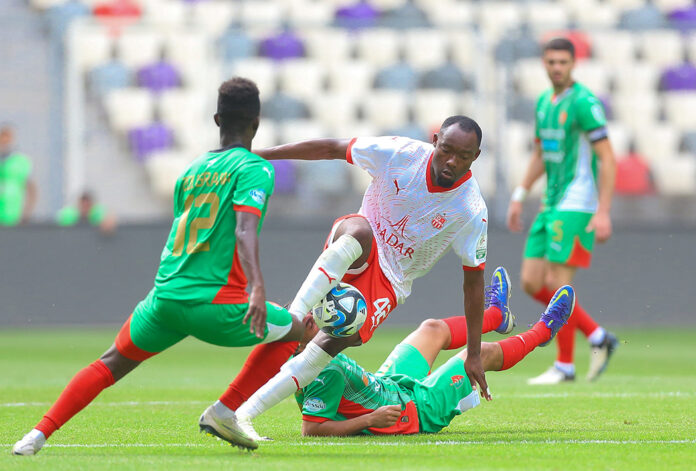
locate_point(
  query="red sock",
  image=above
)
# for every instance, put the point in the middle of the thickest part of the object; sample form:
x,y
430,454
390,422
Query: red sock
x,y
583,321
80,391
517,347
544,295
492,317
262,364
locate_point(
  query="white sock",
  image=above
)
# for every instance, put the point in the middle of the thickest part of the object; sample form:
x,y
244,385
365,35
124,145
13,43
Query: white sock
x,y
221,409
567,368
597,336
294,375
327,271
35,433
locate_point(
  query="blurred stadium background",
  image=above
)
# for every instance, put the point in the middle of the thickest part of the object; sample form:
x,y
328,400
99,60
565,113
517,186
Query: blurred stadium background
x,y
117,96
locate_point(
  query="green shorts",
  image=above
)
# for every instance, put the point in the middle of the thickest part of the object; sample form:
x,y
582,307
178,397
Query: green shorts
x,y
158,323
440,396
560,237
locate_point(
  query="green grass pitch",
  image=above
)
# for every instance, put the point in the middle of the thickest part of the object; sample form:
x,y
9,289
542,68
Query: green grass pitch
x,y
640,415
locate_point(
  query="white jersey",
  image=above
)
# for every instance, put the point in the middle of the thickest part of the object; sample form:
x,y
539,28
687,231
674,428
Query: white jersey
x,y
415,221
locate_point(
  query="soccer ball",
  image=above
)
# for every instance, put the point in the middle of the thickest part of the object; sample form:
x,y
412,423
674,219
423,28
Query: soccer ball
x,y
342,312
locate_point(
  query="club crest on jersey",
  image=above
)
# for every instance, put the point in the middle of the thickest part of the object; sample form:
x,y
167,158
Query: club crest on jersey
x,y
457,381
562,117
438,221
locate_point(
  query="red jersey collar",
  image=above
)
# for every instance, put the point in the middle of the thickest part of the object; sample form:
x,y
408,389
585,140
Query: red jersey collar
x,y
433,187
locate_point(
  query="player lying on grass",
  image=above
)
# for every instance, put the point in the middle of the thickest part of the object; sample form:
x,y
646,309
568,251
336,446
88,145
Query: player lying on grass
x,y
402,397
200,288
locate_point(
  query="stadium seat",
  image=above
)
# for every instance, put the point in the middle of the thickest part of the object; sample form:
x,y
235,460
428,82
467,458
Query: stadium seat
x,y
633,176
518,45
521,108
614,48
90,45
592,14
662,47
688,143
145,140
183,110
45,4
213,16
675,176
530,77
386,108
300,130
425,48
405,16
683,19
680,109
356,16
310,13
378,46
636,113
285,177
166,16
235,44
351,77
329,46
446,76
399,76
282,106
109,76
190,53
158,76
261,13
266,134
303,78
334,109
136,47
645,17
542,16
411,130
431,107
669,5
657,142
448,13
498,17
620,137
163,169
680,77
691,47
261,71
593,75
282,46
638,79
464,48
626,4
128,108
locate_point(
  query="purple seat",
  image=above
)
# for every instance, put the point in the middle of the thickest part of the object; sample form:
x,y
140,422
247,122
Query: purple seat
x,y
148,139
684,18
680,77
282,46
158,76
285,176
359,15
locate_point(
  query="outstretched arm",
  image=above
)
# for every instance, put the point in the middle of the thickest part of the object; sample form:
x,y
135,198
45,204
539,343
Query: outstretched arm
x,y
601,221
315,149
248,250
384,417
473,309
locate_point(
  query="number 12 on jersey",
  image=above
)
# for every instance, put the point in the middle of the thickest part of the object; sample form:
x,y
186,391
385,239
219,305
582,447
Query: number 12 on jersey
x,y
196,224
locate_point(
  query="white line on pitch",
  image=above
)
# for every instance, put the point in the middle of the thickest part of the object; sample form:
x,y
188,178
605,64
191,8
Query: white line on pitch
x,y
381,444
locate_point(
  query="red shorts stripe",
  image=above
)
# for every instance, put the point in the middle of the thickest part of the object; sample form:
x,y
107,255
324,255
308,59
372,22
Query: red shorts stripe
x,y
126,347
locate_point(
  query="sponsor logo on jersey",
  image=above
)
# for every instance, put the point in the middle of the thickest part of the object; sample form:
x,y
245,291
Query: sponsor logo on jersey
x,y
438,221
314,404
457,381
481,247
258,195
396,238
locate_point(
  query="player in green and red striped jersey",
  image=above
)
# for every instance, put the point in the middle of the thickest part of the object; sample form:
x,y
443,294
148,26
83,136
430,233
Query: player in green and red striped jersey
x,y
403,397
210,258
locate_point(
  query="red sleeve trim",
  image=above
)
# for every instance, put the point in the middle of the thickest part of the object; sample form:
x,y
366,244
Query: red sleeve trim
x,y
247,209
349,151
478,268
314,418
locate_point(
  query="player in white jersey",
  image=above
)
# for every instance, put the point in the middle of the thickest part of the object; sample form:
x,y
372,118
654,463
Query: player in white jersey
x,y
422,201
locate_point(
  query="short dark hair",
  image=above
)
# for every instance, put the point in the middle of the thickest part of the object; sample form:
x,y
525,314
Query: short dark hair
x,y
561,44
238,103
465,124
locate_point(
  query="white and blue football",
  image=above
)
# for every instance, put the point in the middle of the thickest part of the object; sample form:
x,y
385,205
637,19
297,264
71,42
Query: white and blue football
x,y
342,312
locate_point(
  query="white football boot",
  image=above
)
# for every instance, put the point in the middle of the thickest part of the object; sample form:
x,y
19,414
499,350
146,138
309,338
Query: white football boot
x,y
248,428
221,422
30,444
551,376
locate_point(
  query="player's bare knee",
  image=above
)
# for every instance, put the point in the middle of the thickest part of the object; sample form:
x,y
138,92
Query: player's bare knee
x,y
531,285
435,329
118,364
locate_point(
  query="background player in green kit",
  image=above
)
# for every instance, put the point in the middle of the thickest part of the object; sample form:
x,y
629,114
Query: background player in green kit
x,y
403,397
210,258
573,150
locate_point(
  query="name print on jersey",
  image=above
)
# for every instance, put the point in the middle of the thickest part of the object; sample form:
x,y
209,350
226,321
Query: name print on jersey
x,y
207,179
396,238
